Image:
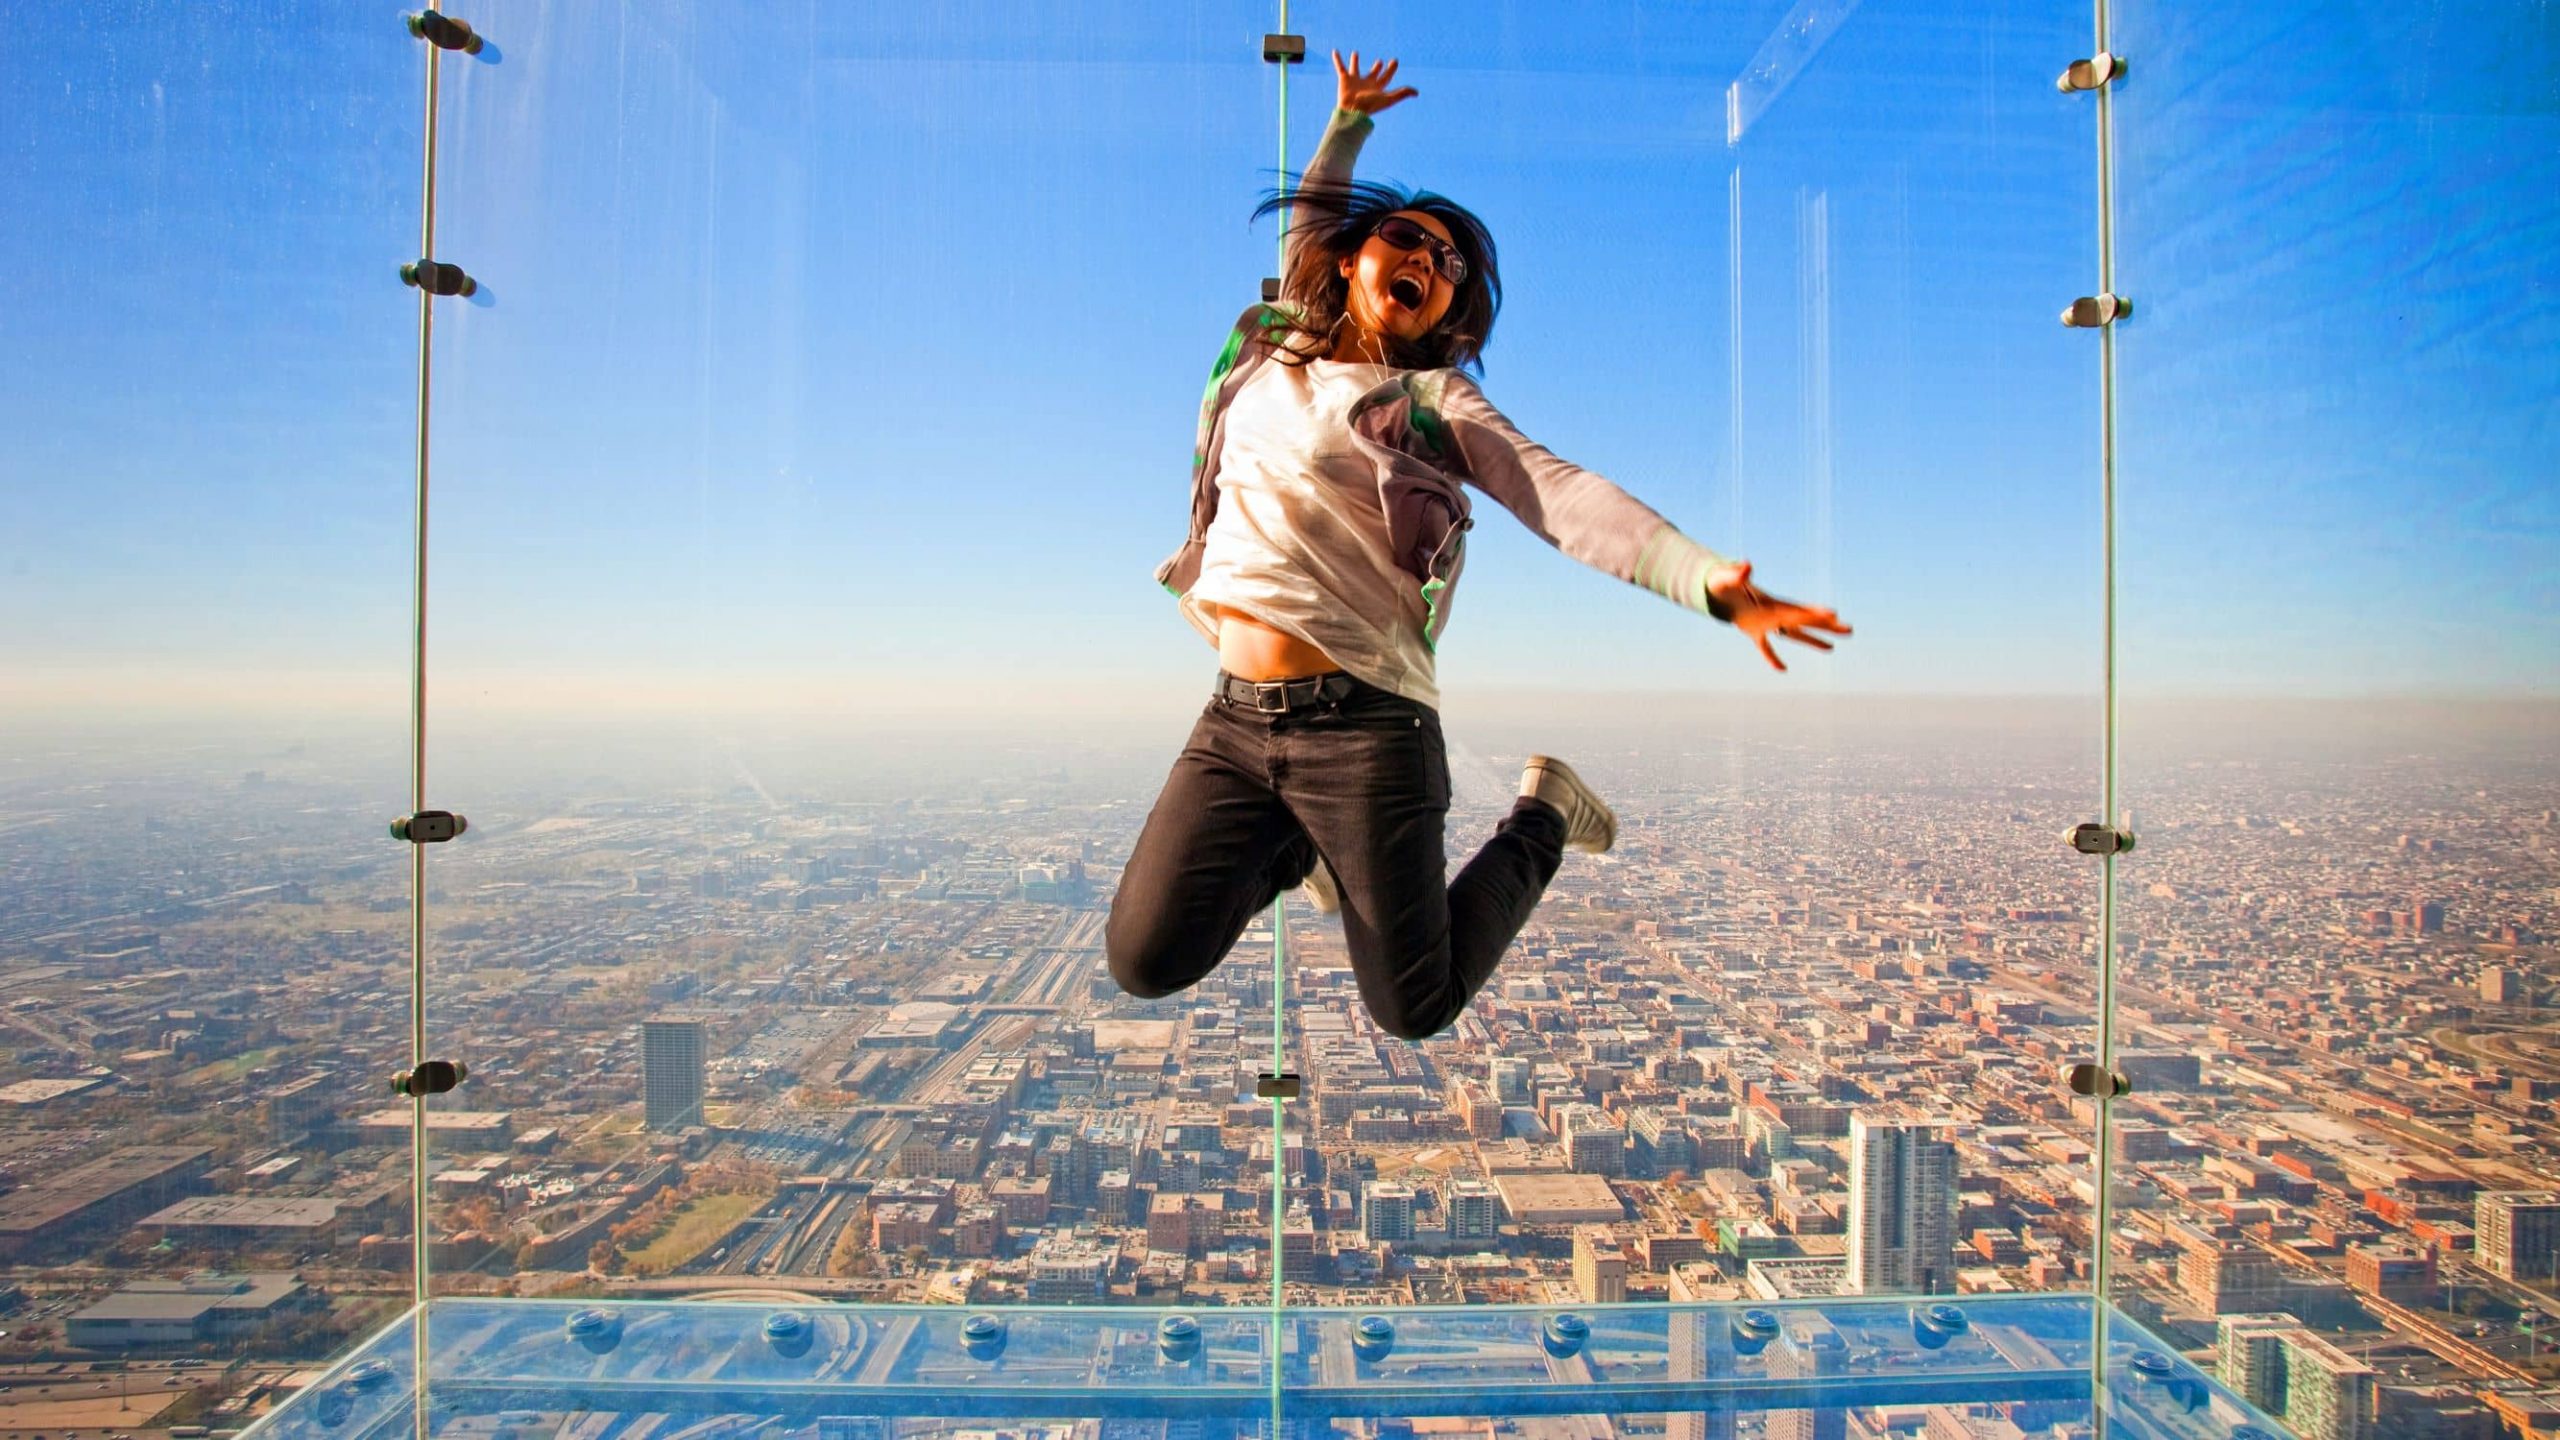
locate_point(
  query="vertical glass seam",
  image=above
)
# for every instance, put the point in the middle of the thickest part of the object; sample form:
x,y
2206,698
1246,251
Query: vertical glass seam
x,y
2102,1137
1733,364
418,1220
1279,933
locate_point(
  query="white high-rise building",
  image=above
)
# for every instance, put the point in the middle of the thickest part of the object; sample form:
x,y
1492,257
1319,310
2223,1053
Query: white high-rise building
x,y
1475,1212
1902,1204
1388,1216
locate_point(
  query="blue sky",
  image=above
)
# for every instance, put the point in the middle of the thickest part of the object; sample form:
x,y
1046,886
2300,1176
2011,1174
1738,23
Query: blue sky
x,y
838,356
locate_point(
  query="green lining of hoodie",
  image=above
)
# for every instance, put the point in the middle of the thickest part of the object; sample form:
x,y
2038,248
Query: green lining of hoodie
x,y
1644,562
1423,414
1209,397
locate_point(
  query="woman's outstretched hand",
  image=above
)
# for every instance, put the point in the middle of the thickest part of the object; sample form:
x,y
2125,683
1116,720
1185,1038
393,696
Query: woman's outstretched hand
x,y
1368,93
1759,614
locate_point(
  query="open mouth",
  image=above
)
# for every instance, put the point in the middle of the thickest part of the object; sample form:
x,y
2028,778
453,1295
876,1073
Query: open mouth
x,y
1406,291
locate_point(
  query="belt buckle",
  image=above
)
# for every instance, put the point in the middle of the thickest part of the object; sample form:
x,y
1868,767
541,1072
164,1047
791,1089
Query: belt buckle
x,y
1271,697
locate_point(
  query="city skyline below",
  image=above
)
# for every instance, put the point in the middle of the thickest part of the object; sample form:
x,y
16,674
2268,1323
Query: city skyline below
x,y
916,1082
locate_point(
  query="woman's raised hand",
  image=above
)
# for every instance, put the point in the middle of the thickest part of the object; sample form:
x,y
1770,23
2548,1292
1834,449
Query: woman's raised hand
x,y
1368,92
1759,614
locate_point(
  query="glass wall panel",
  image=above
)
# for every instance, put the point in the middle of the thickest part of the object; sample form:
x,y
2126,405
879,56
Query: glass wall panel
x,y
1788,274
802,472
2340,229
203,544
1838,1368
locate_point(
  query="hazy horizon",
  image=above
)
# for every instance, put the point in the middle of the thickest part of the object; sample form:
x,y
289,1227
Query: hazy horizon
x,y
750,403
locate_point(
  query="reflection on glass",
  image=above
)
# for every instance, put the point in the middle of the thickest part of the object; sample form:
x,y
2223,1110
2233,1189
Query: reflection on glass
x,y
1794,1037
2335,1173
202,979
803,677
777,933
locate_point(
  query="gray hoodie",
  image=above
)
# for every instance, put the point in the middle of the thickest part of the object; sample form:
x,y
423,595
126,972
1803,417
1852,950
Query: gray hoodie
x,y
1426,431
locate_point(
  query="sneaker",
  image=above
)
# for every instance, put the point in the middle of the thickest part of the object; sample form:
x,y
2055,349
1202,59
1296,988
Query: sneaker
x,y
1321,891
1589,824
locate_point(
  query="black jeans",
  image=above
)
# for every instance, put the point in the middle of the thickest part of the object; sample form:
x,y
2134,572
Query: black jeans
x,y
1364,782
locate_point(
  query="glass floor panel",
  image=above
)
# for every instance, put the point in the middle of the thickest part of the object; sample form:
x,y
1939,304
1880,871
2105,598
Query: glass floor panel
x,y
1994,1366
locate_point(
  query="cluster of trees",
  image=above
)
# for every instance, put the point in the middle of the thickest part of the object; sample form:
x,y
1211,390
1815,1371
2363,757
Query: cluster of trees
x,y
852,1255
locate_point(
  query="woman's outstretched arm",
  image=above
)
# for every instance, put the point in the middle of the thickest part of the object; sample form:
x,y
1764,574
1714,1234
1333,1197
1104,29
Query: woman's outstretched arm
x,y
1359,94
1604,527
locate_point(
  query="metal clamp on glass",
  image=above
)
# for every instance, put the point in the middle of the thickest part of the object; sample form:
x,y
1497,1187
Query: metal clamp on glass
x,y
435,1077
2097,1082
1178,1338
1285,49
428,827
1278,1086
437,278
1934,1325
445,32
982,1336
2096,312
596,1330
789,1333
1270,289
2090,74
2096,839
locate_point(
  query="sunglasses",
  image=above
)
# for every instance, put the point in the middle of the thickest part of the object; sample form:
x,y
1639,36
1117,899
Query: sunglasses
x,y
1404,234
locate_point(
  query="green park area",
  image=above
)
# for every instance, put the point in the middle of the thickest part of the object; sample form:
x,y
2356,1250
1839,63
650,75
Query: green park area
x,y
692,1228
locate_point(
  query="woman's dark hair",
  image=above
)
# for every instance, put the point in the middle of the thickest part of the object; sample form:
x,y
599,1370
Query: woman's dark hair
x,y
1332,219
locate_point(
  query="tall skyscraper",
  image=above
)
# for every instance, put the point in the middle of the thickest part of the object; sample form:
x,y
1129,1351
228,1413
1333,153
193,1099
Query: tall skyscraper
x,y
1902,1204
1699,1351
1806,1348
671,1072
2519,1233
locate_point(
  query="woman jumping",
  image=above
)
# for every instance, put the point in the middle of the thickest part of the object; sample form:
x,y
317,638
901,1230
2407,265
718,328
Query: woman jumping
x,y
1328,528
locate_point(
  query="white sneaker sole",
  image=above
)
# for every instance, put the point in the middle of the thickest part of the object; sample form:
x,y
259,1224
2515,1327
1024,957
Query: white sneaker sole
x,y
1321,891
1590,826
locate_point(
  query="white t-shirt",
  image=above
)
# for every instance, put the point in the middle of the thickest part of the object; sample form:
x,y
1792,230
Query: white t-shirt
x,y
1300,540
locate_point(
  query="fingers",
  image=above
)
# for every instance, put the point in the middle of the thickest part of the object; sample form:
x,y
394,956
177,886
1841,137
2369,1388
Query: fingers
x,y
1769,652
1814,620
1376,75
1802,638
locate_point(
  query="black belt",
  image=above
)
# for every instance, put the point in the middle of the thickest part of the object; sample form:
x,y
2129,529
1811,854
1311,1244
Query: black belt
x,y
1279,697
